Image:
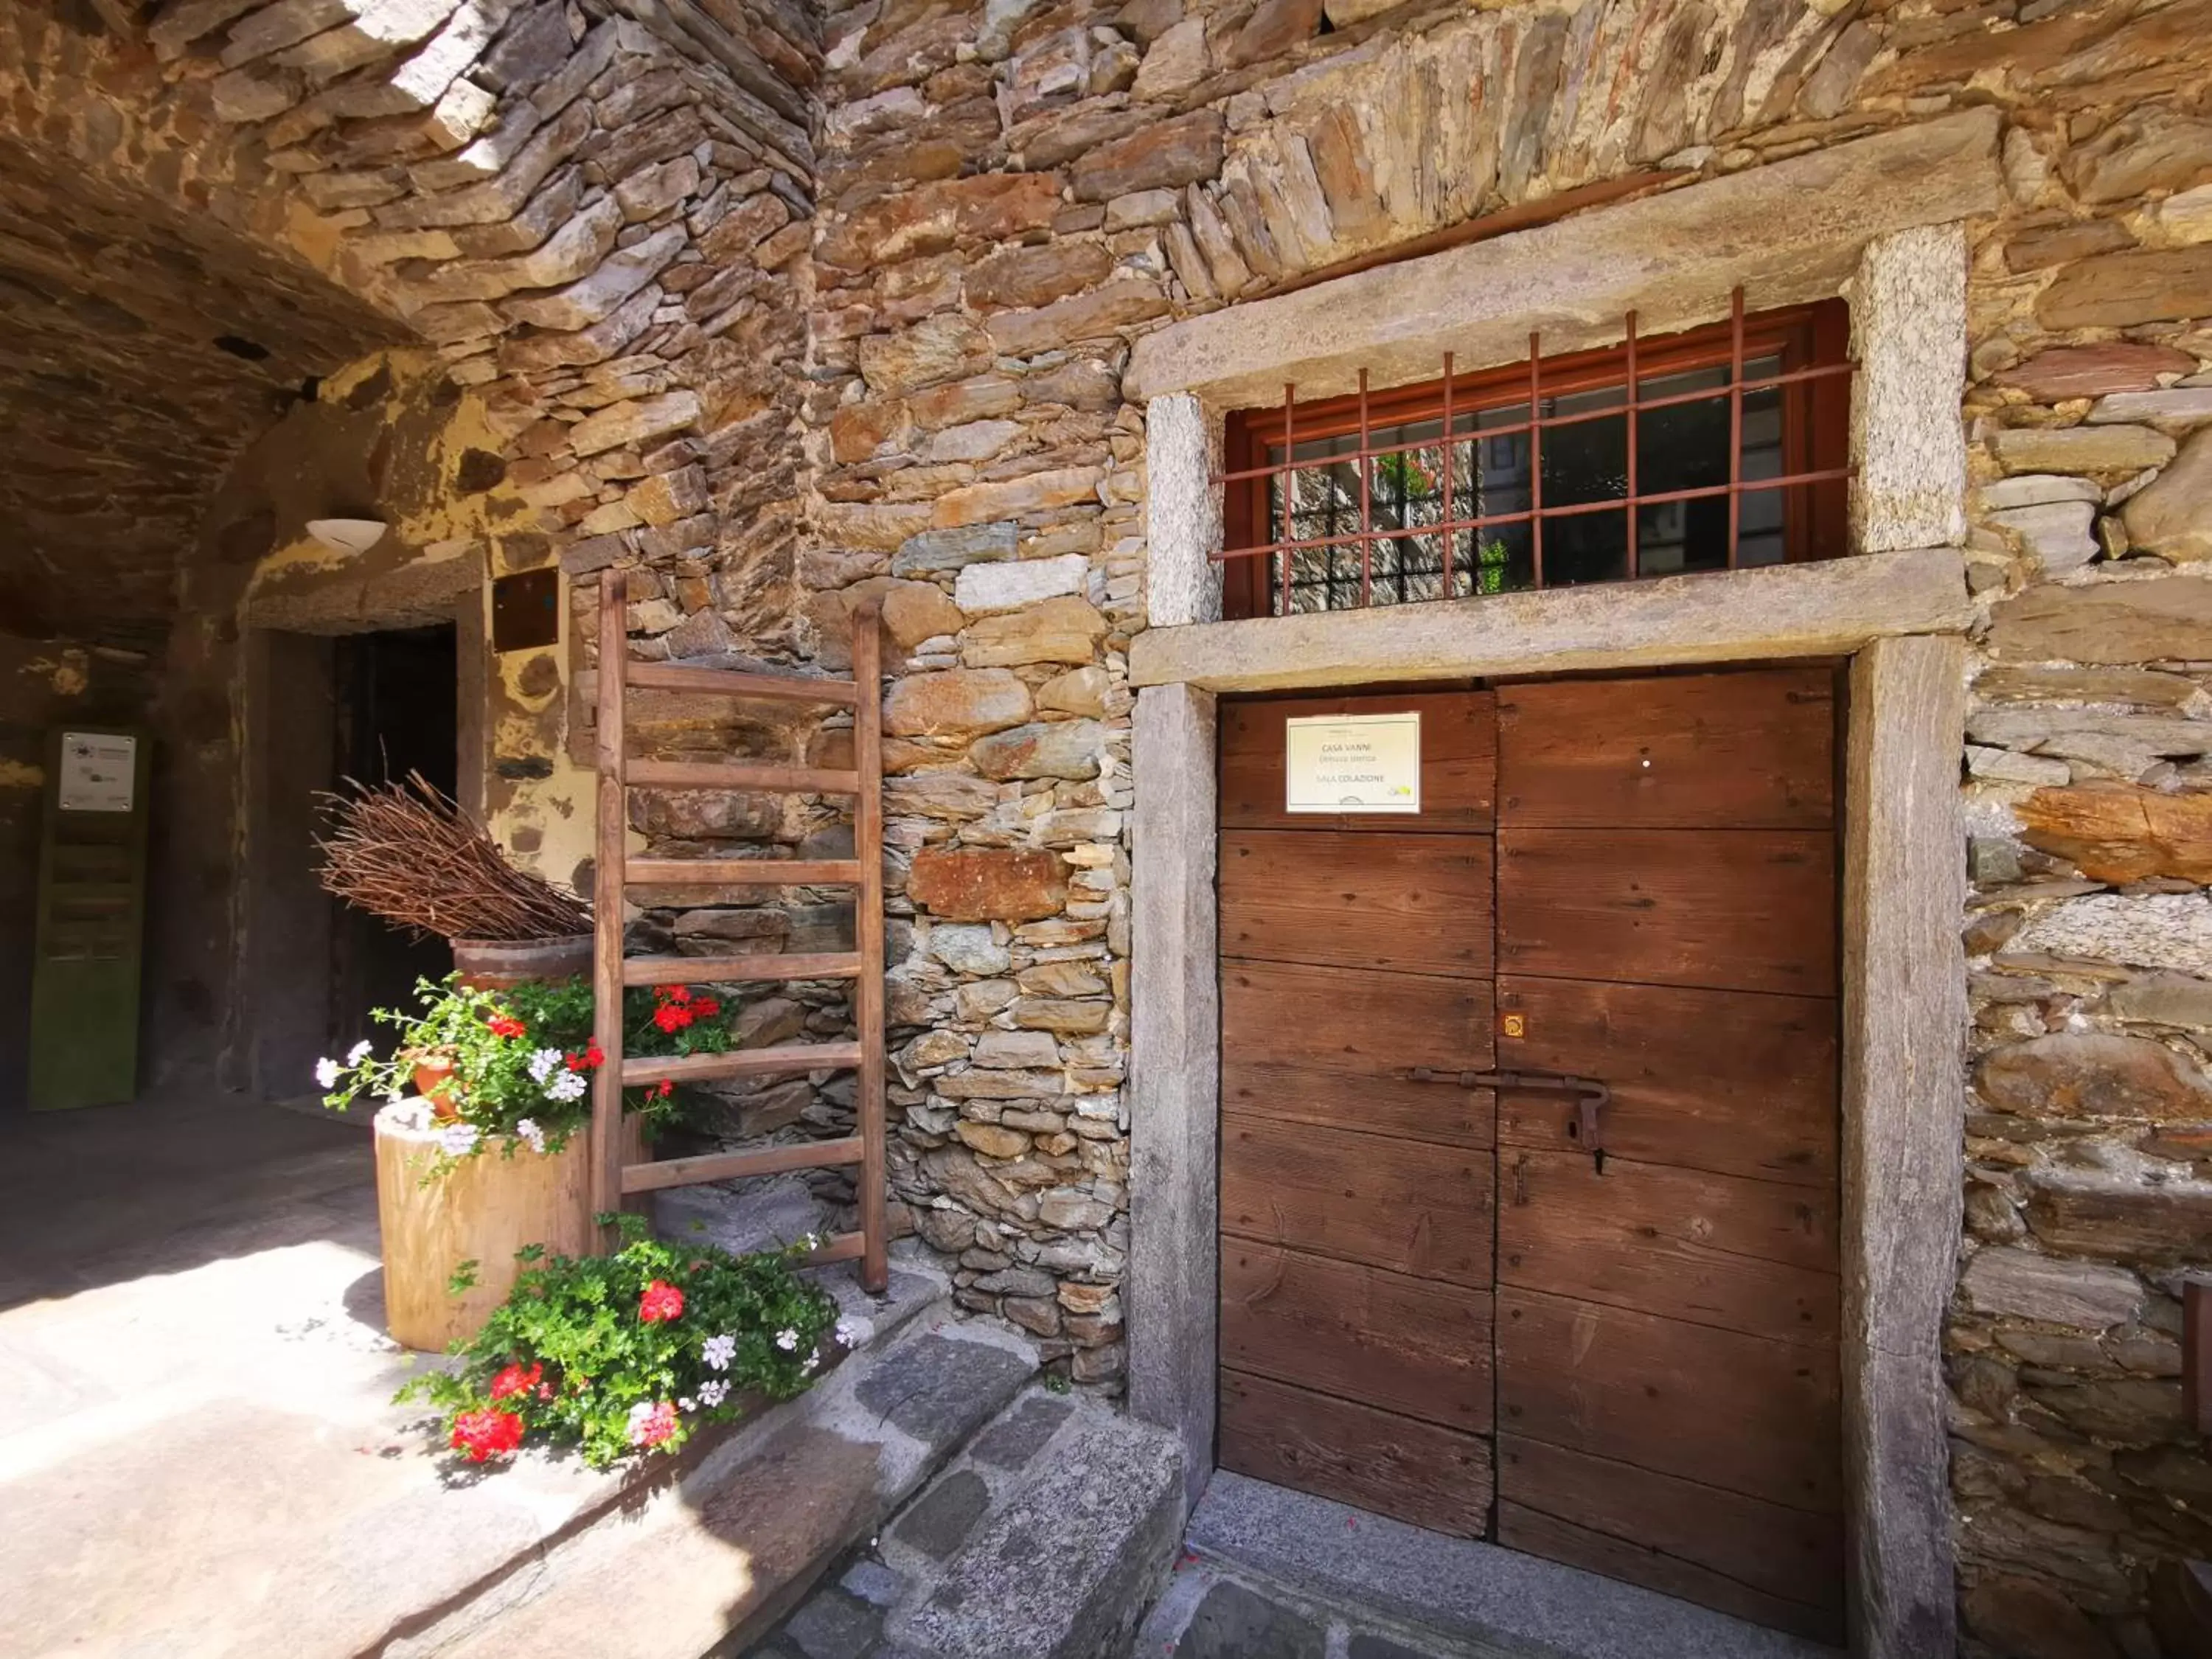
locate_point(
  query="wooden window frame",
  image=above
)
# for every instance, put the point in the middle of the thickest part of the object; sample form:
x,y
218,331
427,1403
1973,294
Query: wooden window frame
x,y
1815,419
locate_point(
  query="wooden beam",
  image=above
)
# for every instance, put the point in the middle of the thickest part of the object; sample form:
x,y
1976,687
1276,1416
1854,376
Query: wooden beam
x,y
729,683
868,847
738,1062
775,965
740,1166
740,872
610,845
712,774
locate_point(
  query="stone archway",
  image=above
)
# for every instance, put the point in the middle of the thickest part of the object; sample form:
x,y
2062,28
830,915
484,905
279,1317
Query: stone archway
x,y
241,219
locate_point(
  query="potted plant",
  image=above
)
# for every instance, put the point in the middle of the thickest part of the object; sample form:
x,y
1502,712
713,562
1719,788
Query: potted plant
x,y
480,1151
630,1353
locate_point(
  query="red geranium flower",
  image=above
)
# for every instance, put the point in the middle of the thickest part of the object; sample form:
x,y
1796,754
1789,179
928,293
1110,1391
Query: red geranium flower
x,y
592,1059
516,1380
662,1301
650,1428
671,1017
705,1006
506,1025
487,1433
667,1088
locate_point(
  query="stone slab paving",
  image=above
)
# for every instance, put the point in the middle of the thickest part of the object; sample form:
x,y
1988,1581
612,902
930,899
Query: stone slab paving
x,y
701,1566
1272,1570
1046,1539
199,1456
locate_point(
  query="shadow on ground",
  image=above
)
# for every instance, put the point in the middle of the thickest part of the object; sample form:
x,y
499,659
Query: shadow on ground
x,y
110,1194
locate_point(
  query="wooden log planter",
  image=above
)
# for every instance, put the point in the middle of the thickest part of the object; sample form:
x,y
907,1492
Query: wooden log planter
x,y
483,1209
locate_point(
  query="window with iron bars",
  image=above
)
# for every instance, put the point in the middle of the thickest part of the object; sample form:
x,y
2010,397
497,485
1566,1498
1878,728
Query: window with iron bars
x,y
1717,449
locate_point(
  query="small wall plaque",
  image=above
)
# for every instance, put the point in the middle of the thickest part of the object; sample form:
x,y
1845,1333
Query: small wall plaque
x,y
98,771
1352,763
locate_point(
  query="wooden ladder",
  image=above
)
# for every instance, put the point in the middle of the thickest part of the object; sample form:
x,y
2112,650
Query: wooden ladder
x,y
612,1179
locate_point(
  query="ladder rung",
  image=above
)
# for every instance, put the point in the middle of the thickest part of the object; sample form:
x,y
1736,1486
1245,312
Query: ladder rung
x,y
715,971
740,872
846,1247
712,774
740,1166
730,683
742,1062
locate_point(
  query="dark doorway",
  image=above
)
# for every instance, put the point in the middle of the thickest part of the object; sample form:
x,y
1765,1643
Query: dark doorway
x,y
397,713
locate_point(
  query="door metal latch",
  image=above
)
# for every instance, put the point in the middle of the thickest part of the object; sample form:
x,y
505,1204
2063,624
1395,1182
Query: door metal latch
x,y
1586,1128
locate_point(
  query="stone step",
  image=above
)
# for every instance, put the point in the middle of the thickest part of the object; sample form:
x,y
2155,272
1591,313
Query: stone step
x,y
704,1562
1048,1538
1287,1574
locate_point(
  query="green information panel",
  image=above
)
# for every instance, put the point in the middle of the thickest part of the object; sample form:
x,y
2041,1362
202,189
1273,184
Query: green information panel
x,y
92,912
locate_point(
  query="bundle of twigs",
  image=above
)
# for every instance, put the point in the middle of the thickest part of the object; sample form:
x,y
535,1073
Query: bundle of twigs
x,y
409,856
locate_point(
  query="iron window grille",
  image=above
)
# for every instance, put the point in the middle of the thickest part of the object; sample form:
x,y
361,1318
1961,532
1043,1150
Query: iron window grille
x,y
1719,448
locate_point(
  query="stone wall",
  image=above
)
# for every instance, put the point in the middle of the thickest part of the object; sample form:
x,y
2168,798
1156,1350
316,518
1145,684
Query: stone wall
x,y
1009,198
2089,796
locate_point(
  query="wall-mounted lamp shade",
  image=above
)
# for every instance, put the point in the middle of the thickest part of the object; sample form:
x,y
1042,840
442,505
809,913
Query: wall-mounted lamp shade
x,y
347,535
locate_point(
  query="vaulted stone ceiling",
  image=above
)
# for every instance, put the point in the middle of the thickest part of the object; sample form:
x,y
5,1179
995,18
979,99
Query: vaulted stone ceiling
x,y
141,350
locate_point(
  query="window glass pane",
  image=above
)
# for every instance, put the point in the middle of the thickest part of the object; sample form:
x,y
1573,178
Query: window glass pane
x,y
1433,531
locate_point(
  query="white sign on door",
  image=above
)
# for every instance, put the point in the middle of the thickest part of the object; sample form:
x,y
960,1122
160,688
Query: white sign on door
x,y
1353,763
98,771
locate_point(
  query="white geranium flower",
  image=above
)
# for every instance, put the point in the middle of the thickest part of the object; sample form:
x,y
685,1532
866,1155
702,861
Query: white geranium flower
x,y
458,1139
686,1403
850,1334
326,1073
358,1053
712,1393
812,1360
638,1414
787,1339
718,1351
528,1129
543,1064
567,1086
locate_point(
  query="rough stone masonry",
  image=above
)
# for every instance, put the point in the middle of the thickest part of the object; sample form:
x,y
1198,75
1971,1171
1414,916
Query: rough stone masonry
x,y
786,308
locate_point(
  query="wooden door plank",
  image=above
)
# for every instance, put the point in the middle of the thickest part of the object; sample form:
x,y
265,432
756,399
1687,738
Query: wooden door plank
x,y
1754,1257
1411,1471
1736,1412
1731,1081
1413,1208
1326,1045
1731,750
1777,1555
1736,909
1407,1346
1403,903
1459,762
1536,1533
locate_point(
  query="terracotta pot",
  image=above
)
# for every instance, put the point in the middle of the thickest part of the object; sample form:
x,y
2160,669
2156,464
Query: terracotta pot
x,y
434,1082
500,964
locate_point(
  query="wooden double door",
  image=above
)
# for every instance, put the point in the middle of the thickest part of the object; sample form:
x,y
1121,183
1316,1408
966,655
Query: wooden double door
x,y
1444,1302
